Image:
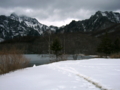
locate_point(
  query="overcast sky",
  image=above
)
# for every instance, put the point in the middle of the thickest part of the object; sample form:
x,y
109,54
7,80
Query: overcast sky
x,y
57,12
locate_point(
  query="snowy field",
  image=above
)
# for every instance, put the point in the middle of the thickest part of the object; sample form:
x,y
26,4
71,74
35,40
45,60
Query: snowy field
x,y
89,74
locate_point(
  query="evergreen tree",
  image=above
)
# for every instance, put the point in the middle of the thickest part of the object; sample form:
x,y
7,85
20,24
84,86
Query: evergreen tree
x,y
56,47
105,46
116,46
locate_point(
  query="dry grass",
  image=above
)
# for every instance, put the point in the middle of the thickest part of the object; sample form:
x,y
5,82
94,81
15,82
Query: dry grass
x,y
62,57
115,55
11,60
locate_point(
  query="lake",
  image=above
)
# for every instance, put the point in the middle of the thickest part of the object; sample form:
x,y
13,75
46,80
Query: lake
x,y
39,59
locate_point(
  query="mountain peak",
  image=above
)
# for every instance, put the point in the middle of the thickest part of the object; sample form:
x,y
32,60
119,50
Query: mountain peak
x,y
100,13
14,16
100,20
112,16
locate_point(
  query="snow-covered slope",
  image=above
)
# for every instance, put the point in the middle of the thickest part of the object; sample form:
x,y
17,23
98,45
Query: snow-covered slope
x,y
15,26
90,74
31,22
100,20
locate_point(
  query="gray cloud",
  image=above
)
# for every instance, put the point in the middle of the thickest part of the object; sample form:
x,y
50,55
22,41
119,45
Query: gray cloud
x,y
55,11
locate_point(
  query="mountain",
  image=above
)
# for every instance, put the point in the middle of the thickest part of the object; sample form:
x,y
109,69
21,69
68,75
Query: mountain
x,y
15,26
113,31
98,21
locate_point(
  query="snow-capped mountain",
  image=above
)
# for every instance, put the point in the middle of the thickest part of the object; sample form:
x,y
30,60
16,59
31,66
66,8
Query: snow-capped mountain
x,y
17,26
98,21
14,26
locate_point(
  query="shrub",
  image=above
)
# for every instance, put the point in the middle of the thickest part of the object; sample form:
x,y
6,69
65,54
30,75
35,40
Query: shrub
x,y
11,60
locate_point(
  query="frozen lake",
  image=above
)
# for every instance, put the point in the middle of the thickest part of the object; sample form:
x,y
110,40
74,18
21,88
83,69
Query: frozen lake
x,y
39,59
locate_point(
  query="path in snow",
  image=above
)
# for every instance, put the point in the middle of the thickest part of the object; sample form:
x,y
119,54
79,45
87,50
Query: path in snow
x,y
103,73
45,77
72,70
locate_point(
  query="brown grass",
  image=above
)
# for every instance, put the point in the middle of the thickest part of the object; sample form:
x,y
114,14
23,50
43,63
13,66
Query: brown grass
x,y
117,55
11,60
62,57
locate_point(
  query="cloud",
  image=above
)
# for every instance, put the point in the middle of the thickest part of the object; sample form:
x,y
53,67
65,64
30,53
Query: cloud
x,y
57,12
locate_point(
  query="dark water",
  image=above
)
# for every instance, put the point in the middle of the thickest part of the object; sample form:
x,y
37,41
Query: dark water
x,y
46,58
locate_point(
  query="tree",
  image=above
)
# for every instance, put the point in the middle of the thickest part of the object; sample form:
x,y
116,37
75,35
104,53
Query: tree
x,y
56,47
105,45
116,46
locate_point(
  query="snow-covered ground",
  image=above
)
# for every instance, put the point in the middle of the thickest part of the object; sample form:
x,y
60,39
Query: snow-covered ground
x,y
89,74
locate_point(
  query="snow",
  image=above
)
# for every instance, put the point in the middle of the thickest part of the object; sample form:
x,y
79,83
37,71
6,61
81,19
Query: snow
x,y
30,24
40,25
3,34
40,32
88,74
95,20
6,21
16,34
47,27
117,17
34,65
2,26
20,20
52,29
1,39
14,16
103,14
84,27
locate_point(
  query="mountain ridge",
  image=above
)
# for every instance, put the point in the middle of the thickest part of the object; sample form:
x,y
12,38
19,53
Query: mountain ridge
x,y
98,21
15,26
18,26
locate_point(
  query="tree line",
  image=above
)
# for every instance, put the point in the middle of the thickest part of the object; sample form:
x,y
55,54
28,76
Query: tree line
x,y
109,46
72,43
